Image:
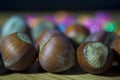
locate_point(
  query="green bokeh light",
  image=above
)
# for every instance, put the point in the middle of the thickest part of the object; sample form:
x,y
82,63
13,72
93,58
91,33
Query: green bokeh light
x,y
110,26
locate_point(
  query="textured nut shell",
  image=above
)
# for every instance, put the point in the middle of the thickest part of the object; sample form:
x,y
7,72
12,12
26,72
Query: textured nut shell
x,y
57,54
17,55
87,67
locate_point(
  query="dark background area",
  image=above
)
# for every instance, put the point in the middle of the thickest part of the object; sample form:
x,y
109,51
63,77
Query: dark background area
x,y
49,5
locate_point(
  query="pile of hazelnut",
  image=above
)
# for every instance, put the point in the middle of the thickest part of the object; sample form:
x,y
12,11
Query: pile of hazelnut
x,y
57,51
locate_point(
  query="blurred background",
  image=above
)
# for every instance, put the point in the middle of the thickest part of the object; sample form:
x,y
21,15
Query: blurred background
x,y
66,16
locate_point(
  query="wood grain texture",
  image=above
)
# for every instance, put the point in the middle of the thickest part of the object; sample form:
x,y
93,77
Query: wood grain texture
x,y
72,74
50,76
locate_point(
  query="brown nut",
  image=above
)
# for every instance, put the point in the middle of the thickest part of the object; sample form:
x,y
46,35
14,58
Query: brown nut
x,y
94,57
17,52
77,32
56,52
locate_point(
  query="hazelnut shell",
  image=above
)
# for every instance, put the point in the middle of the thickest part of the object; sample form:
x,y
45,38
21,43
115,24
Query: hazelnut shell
x,y
77,32
17,52
56,53
85,64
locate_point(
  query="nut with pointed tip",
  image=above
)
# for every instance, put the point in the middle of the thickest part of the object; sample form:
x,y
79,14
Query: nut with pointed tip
x,y
17,52
94,57
56,52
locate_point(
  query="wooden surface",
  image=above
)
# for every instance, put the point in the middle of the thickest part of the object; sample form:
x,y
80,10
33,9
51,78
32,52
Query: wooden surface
x,y
49,76
74,73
